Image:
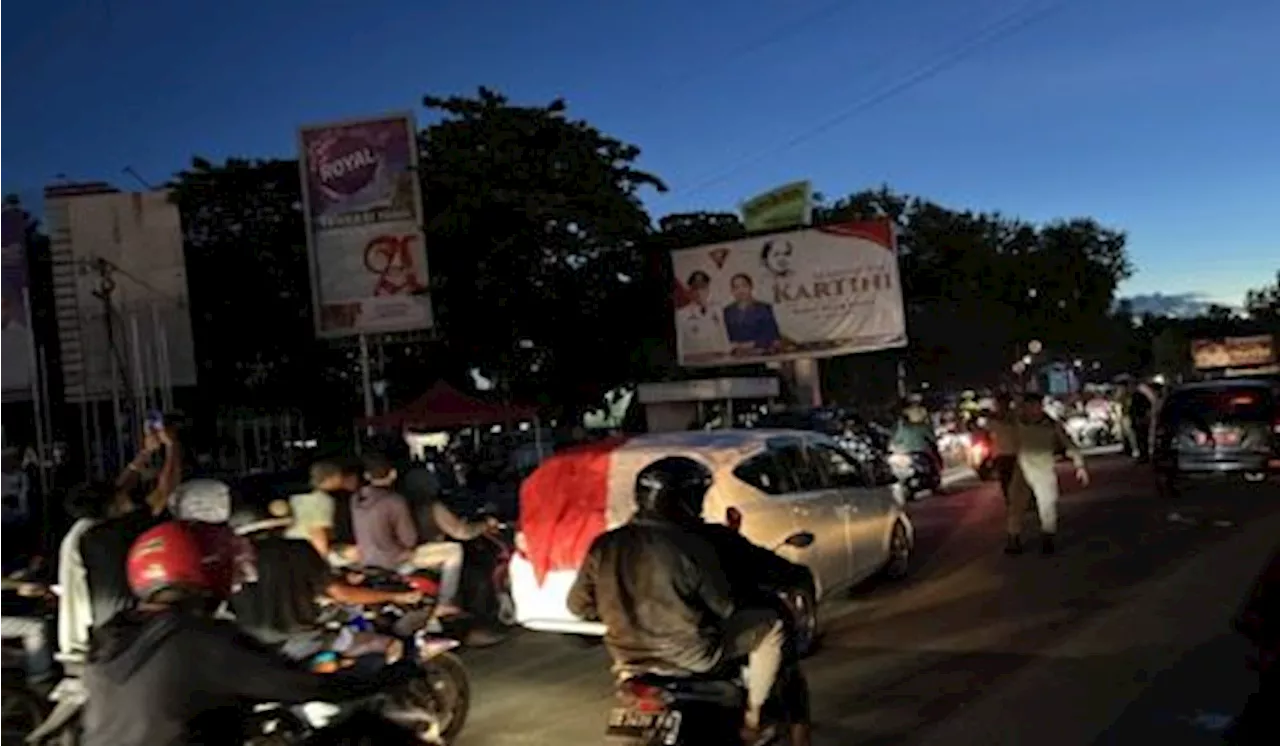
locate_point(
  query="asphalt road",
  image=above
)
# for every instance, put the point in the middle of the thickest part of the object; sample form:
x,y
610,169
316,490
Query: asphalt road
x,y
1120,636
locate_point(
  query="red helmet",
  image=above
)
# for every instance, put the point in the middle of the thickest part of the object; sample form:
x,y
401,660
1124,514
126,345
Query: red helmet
x,y
184,556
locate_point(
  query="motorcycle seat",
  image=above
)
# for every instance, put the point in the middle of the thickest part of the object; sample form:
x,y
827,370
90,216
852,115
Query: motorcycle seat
x,y
707,687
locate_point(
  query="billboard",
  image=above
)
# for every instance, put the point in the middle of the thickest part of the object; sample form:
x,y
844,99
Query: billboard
x,y
1233,352
786,206
816,292
363,208
129,243
15,357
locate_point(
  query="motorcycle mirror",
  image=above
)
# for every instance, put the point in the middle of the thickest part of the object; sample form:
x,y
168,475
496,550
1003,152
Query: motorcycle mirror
x,y
800,540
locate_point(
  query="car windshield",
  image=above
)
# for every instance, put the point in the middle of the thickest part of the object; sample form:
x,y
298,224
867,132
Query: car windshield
x,y
1237,403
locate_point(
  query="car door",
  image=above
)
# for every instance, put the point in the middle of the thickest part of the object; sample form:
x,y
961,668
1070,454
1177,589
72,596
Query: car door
x,y
862,507
818,510
768,518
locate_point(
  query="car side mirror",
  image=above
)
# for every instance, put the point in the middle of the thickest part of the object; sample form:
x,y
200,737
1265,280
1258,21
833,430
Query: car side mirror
x,y
801,540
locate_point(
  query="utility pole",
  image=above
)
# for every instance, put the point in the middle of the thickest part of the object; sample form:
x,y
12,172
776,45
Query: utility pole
x,y
104,293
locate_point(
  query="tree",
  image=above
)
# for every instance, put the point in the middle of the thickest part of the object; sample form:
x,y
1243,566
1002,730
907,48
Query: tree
x,y
1263,303
978,287
535,233
248,273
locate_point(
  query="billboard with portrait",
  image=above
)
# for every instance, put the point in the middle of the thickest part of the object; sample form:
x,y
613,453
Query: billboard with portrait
x,y
363,211
817,292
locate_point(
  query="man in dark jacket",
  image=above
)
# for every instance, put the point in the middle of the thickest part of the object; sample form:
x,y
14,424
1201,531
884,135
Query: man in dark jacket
x,y
666,604
166,674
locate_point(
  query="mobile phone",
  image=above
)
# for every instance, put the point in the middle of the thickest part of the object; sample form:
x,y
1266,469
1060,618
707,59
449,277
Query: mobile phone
x,y
155,420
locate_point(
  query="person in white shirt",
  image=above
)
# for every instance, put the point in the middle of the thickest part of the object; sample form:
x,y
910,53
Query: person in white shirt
x,y
14,347
701,322
88,505
314,512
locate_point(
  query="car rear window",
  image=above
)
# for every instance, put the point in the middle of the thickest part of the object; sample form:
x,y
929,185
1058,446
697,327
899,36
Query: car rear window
x,y
1241,403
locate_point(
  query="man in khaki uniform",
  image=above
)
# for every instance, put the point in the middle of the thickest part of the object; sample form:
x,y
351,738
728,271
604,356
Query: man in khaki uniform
x,y
1040,438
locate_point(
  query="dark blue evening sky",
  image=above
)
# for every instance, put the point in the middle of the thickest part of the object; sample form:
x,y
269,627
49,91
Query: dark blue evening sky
x,y
1161,117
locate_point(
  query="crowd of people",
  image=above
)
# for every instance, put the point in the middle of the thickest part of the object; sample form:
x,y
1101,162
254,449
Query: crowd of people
x,y
156,573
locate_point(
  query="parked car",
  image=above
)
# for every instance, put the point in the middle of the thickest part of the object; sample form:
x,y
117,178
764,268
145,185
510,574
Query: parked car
x,y
1217,429
779,481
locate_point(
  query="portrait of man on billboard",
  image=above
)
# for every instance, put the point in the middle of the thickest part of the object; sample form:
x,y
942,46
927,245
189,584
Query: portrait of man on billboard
x,y
750,323
699,322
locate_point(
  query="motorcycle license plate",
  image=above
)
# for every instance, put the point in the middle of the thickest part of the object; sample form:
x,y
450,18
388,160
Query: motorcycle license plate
x,y
628,726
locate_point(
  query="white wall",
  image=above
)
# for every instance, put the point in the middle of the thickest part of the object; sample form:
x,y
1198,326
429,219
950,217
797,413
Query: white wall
x,y
140,235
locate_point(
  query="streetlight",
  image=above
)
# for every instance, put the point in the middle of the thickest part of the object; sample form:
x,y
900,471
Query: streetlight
x,y
1026,360
1035,347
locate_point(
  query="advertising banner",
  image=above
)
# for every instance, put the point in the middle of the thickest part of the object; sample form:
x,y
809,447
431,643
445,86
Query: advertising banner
x,y
1233,352
363,206
15,357
787,206
817,292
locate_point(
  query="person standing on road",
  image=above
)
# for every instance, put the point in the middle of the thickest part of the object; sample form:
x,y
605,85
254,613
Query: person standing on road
x,y
1003,429
1040,439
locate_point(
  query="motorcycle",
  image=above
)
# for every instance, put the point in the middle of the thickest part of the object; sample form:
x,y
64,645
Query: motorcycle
x,y
916,472
434,706
660,709
980,456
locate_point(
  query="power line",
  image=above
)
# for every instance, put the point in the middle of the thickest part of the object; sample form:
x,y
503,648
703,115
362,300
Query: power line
x,y
764,41
1000,29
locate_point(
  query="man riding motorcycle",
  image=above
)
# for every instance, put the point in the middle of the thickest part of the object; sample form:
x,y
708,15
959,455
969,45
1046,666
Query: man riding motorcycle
x,y
756,578
167,673
666,604
914,433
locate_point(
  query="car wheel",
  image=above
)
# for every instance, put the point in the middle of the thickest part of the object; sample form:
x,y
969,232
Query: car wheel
x,y
898,565
804,610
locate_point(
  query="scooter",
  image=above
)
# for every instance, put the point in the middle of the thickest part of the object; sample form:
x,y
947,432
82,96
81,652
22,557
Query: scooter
x,y
916,472
664,709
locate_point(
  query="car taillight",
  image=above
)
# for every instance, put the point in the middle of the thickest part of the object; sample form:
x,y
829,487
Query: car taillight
x,y
643,697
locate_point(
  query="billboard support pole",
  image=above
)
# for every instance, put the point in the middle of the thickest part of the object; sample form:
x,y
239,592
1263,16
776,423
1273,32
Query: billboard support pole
x,y
37,406
366,378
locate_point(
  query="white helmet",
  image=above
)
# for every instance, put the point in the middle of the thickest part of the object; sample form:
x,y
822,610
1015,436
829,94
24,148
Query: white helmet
x,y
201,500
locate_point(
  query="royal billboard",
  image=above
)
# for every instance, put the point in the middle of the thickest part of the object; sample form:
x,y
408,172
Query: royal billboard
x,y
363,209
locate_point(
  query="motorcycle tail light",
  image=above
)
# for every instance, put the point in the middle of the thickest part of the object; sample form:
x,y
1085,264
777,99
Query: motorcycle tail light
x,y
643,697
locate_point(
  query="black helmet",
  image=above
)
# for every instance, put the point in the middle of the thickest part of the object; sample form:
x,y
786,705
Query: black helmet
x,y
672,489
253,518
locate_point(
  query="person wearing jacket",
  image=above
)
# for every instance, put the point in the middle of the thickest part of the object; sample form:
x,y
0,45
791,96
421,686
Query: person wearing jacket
x,y
1040,438
756,578
914,433
166,673
666,604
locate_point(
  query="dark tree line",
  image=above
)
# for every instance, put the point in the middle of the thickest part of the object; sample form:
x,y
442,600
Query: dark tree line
x,y
550,277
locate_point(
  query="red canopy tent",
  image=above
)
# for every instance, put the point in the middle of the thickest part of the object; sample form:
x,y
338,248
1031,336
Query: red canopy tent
x,y
443,407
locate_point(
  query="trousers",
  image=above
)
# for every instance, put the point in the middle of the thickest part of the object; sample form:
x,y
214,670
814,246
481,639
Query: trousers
x,y
1033,479
448,557
759,635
